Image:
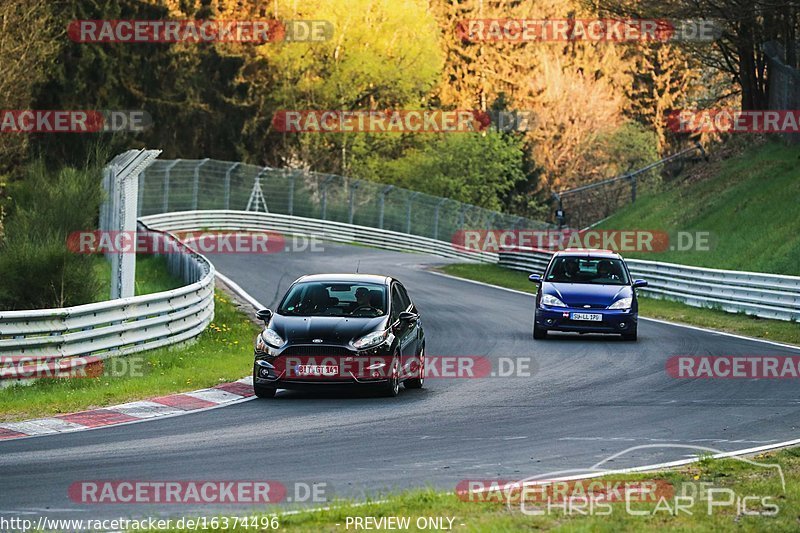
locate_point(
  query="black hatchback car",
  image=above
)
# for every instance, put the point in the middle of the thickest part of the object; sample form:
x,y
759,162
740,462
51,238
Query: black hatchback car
x,y
340,330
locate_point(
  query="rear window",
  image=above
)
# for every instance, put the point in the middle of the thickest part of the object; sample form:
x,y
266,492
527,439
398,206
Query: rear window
x,y
594,270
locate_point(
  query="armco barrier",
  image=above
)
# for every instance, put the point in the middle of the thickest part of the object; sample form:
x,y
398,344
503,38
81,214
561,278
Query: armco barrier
x,y
58,340
763,295
49,342
324,229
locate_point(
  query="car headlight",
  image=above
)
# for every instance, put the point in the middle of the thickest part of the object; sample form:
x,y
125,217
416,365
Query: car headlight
x,y
622,303
552,301
370,339
271,338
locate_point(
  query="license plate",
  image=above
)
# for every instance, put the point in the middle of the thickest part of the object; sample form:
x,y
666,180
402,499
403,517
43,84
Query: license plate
x,y
317,370
593,317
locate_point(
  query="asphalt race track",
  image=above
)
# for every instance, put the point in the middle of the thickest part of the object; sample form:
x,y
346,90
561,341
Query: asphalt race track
x,y
590,397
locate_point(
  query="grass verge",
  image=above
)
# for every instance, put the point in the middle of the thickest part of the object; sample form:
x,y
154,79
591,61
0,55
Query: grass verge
x,y
723,482
748,204
151,276
774,330
222,353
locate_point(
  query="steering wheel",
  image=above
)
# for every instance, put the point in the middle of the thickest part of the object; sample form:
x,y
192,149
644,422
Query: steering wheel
x,y
366,308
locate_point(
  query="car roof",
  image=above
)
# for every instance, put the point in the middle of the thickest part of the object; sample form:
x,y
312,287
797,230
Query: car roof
x,y
346,278
588,252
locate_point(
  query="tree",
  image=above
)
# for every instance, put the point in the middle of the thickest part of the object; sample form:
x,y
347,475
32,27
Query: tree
x,y
25,64
383,55
746,26
475,168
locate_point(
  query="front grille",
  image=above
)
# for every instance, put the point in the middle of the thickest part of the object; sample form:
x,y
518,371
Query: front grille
x,y
318,351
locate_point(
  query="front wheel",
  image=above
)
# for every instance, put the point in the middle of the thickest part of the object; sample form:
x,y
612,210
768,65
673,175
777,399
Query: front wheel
x,y
391,388
539,333
418,382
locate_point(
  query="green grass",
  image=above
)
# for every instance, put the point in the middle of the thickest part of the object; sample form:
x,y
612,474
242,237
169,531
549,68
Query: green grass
x,y
775,330
151,276
744,479
749,204
222,353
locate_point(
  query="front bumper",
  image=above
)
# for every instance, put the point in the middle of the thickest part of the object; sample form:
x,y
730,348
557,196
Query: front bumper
x,y
559,319
281,368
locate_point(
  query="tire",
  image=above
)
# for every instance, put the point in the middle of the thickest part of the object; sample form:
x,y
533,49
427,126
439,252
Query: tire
x,y
630,336
417,383
391,388
539,333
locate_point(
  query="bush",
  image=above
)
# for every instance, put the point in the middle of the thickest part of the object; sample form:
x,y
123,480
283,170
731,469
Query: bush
x,y
38,271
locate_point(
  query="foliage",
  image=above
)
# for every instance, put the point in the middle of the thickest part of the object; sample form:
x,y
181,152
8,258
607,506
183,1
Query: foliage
x,y
476,168
25,63
218,99
38,270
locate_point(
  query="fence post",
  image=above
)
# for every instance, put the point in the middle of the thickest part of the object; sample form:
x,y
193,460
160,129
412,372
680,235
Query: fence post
x,y
461,216
633,188
353,188
121,179
228,184
490,220
167,172
196,187
436,218
386,190
408,210
290,208
141,195
325,197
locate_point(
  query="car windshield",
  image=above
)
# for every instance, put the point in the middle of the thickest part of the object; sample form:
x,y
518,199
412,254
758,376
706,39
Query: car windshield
x,y
594,270
322,298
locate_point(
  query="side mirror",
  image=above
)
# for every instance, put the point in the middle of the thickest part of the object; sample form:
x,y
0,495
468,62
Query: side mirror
x,y
536,278
639,283
408,317
264,315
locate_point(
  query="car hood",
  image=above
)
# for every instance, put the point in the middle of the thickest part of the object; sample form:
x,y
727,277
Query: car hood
x,y
580,294
331,329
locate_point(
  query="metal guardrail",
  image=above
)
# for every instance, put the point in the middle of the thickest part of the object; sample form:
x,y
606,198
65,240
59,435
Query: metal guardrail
x,y
189,185
53,342
325,229
753,293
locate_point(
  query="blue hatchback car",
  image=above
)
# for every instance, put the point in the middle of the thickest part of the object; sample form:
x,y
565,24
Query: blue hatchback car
x,y
586,291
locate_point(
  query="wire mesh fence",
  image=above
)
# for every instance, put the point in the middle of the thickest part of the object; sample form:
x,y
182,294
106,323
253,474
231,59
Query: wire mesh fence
x,y
185,185
784,81
586,205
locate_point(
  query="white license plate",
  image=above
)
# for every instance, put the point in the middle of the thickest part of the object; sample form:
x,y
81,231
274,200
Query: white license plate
x,y
317,370
593,317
